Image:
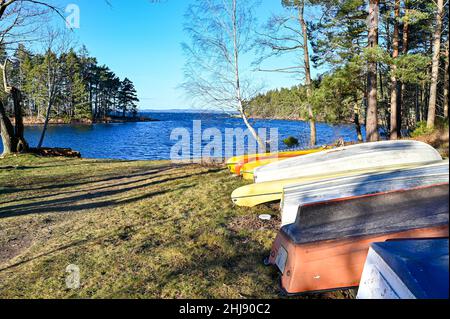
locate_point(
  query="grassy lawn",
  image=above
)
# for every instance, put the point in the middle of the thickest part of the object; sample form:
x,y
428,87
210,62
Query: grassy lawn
x,y
135,230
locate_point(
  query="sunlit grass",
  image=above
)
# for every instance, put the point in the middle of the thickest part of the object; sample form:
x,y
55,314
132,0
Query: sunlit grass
x,y
135,230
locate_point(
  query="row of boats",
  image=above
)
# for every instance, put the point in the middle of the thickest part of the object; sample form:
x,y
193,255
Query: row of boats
x,y
337,203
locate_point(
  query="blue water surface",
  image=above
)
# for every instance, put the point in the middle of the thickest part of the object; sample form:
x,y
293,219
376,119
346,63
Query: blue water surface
x,y
151,140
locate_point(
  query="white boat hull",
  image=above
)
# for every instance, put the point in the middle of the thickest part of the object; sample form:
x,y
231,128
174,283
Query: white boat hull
x,y
354,157
295,196
379,281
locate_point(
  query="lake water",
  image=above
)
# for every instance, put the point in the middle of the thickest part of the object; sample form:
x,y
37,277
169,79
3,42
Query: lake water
x,y
151,140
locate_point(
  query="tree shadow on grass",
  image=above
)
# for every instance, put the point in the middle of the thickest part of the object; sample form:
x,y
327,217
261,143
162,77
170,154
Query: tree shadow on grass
x,y
69,204
106,179
87,181
19,168
90,189
109,177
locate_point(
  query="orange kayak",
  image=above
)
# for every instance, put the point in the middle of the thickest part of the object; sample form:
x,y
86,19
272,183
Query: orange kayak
x,y
240,162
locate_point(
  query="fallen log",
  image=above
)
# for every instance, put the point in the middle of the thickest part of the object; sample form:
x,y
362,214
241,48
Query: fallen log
x,y
56,152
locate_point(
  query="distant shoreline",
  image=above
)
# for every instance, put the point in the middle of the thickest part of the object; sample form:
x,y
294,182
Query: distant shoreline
x,y
33,121
293,119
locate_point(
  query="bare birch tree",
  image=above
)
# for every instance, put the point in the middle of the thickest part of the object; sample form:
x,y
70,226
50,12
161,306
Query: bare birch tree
x,y
221,34
56,44
21,20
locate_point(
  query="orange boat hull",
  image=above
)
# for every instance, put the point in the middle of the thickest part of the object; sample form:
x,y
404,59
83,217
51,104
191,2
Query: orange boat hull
x,y
327,246
334,264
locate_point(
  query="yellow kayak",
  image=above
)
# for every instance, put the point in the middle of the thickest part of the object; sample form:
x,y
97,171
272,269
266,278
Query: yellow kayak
x,y
235,163
260,193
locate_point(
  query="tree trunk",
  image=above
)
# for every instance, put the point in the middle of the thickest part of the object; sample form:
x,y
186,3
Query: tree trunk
x,y
435,69
312,127
47,118
405,48
7,132
423,102
372,109
22,145
91,104
96,104
12,138
308,80
252,131
394,85
417,101
357,122
446,80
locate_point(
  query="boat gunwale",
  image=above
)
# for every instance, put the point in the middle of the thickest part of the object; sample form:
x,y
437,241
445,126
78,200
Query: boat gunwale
x,y
339,200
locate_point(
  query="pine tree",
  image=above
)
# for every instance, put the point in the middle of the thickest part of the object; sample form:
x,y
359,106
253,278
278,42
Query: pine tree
x,y
76,95
127,97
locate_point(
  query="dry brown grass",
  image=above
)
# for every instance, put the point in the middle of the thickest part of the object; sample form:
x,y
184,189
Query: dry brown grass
x,y
439,139
135,229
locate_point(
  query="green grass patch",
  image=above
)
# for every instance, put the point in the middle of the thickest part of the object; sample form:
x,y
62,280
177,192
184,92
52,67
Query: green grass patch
x,y
136,229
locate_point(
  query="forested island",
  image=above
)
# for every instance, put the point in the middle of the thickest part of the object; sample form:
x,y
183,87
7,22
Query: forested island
x,y
66,86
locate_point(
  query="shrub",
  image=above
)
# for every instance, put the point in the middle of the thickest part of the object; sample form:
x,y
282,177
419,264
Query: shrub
x,y
421,129
290,141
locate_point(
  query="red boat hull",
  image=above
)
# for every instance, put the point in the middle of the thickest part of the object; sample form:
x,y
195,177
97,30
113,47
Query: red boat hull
x,y
334,264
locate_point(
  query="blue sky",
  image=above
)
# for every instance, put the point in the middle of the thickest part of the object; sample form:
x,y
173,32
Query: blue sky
x,y
141,39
